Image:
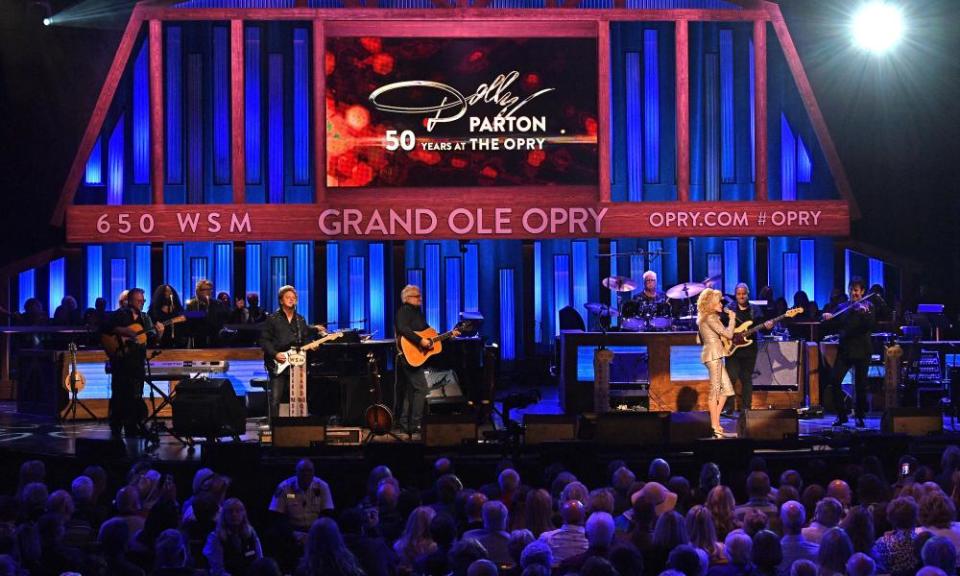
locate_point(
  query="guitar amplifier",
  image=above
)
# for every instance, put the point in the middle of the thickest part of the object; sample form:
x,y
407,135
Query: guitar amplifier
x,y
297,432
768,424
344,436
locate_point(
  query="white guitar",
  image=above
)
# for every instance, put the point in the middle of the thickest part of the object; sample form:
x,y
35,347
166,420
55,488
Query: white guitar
x,y
298,356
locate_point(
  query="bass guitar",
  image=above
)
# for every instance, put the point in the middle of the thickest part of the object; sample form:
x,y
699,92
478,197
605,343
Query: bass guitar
x,y
298,356
416,356
116,345
75,381
742,333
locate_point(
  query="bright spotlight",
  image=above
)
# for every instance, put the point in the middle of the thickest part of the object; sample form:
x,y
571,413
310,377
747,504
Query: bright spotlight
x,y
877,26
47,21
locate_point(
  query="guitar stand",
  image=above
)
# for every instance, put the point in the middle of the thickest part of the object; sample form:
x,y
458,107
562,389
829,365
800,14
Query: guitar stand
x,y
71,408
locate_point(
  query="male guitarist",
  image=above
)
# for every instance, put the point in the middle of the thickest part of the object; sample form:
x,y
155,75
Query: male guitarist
x,y
128,364
741,363
410,320
283,330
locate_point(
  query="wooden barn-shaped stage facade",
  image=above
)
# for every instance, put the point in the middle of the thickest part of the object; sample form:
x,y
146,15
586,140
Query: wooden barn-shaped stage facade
x,y
350,148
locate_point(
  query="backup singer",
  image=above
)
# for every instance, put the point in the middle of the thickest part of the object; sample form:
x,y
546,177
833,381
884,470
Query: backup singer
x,y
855,319
165,305
420,379
711,329
283,330
742,361
207,333
128,365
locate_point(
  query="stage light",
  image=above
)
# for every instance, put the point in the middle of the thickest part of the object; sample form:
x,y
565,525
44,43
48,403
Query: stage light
x,y
877,26
47,21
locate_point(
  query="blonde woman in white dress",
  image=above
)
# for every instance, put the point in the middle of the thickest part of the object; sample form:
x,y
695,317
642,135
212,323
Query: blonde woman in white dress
x,y
709,310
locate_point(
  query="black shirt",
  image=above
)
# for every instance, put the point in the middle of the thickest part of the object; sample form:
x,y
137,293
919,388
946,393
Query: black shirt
x,y
123,317
856,326
410,320
754,314
280,334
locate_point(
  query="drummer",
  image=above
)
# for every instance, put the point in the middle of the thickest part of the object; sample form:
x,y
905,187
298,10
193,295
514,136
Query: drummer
x,y
650,296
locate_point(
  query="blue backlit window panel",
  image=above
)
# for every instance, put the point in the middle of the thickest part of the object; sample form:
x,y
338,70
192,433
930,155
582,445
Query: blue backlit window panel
x,y
221,105
415,277
173,270
651,106
711,128
727,144
731,265
195,85
357,280
580,276
875,271
252,118
378,290
141,271
279,267
94,274
471,278
302,273
634,128
93,174
253,270
333,283
791,275
753,114
223,267
714,264
788,161
275,146
173,134
685,364
58,282
623,354
538,292
301,106
804,164
508,327
808,268
199,270
431,289
452,289
561,287
141,117
27,286
118,281
115,161
654,247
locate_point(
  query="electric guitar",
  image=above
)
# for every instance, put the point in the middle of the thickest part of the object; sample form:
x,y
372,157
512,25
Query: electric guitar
x,y
742,333
416,356
298,356
116,345
75,381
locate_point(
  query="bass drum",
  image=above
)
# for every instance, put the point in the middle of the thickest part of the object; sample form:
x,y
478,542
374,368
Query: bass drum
x,y
633,324
659,324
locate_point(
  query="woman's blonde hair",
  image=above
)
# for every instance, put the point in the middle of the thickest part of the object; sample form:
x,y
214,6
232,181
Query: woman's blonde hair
x,y
705,301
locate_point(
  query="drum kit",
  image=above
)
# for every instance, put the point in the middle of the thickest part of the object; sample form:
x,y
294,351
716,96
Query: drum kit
x,y
651,315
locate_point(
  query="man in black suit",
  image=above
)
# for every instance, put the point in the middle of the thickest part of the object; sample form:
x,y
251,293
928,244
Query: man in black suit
x,y
855,319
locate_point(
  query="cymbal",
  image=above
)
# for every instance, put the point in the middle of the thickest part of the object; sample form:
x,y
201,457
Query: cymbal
x,y
712,281
685,290
600,309
620,283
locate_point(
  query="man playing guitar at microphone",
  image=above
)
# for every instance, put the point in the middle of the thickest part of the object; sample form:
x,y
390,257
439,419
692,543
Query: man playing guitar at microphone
x,y
742,361
855,319
128,365
283,330
410,320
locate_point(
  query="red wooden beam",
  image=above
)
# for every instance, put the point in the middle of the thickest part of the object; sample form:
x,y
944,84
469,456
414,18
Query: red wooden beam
x,y
683,111
98,116
760,108
319,112
475,12
157,171
813,109
462,29
603,107
237,114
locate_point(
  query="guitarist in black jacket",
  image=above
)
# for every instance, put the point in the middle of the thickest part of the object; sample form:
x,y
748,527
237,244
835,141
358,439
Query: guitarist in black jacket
x,y
128,364
855,320
741,363
409,321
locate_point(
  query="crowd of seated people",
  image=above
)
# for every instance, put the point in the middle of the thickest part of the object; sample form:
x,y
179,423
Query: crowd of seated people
x,y
656,523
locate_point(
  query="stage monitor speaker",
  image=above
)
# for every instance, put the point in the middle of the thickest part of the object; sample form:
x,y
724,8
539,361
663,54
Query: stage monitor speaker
x,y
632,427
256,403
344,435
301,432
449,429
912,421
768,424
688,427
540,428
208,407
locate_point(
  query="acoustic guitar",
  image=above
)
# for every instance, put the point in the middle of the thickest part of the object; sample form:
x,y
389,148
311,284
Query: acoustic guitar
x,y
742,333
116,346
298,356
416,356
75,381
